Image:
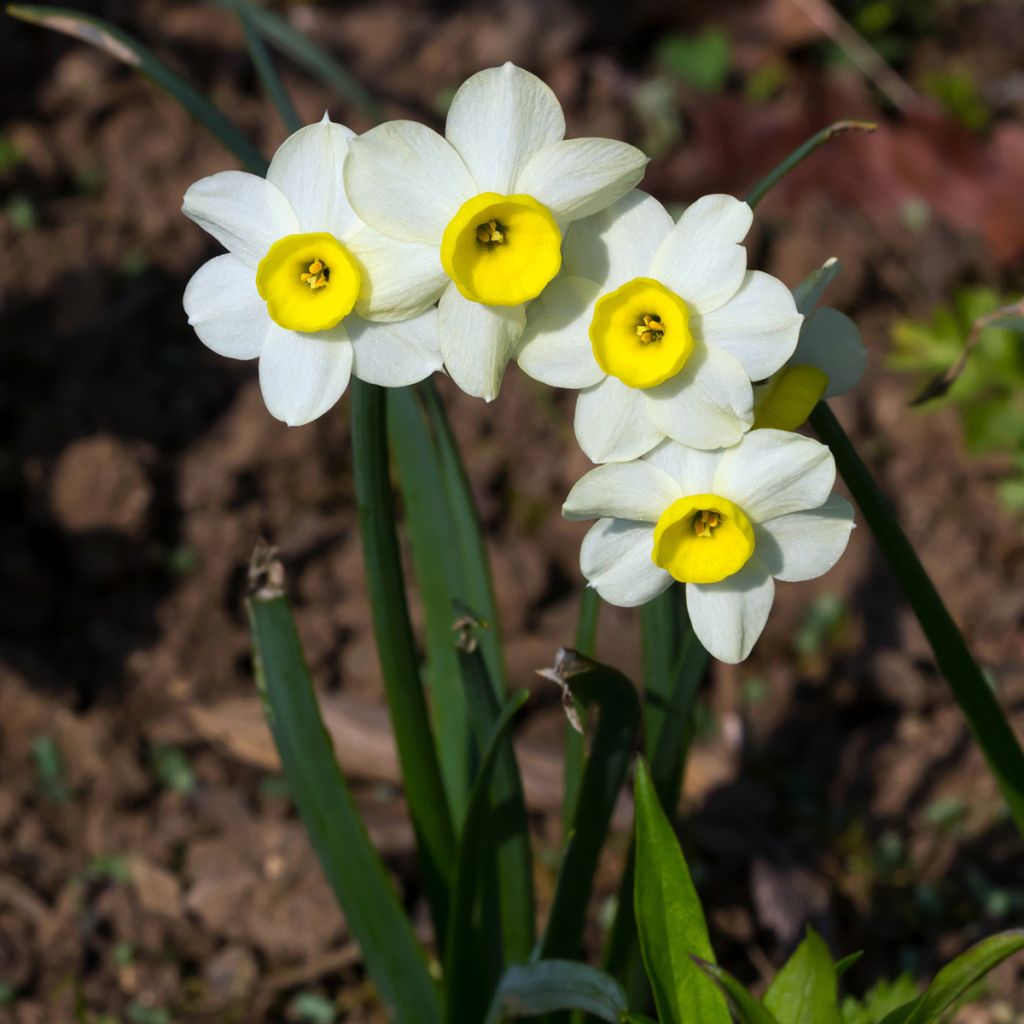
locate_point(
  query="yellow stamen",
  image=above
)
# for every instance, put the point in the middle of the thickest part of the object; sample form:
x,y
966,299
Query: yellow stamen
x,y
317,276
650,329
705,521
491,233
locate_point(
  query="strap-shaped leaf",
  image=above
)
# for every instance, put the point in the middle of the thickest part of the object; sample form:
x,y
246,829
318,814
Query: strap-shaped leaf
x,y
957,977
805,990
372,910
605,771
546,986
670,918
125,48
428,523
586,637
745,1008
396,647
510,835
469,977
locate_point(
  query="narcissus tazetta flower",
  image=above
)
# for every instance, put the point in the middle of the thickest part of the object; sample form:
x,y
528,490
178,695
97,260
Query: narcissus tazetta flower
x,y
726,523
485,206
829,359
300,279
661,325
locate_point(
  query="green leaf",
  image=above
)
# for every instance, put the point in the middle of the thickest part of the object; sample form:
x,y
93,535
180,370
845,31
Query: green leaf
x,y
466,546
957,977
550,985
991,729
301,49
373,913
586,636
809,291
510,840
396,647
805,990
468,980
272,84
843,965
745,1008
618,714
428,524
777,173
123,47
670,918
700,60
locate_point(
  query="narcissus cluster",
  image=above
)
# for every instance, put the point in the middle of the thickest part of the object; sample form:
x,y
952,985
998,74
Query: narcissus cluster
x,y
401,252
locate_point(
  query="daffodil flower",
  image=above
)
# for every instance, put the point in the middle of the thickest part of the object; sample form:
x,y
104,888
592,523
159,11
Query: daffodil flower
x,y
485,207
661,325
829,359
302,279
726,523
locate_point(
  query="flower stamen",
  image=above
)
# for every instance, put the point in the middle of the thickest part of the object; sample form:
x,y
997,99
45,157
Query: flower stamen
x,y
705,521
649,328
317,275
490,233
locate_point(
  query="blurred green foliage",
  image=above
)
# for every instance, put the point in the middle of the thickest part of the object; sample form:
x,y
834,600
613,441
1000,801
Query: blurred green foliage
x,y
700,60
957,91
171,768
883,997
51,777
989,393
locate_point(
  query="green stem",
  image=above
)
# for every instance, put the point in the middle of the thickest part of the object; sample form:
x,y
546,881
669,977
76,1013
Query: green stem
x,y
776,174
385,583
586,638
971,689
272,84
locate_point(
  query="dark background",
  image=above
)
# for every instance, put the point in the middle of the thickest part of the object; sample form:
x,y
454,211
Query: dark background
x,y
151,869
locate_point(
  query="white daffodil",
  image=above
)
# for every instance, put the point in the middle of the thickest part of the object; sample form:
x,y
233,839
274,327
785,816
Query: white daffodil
x,y
726,523
661,325
829,359
485,207
301,279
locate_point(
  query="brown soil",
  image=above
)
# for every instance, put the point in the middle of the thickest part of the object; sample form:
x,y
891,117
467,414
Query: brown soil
x,y
156,864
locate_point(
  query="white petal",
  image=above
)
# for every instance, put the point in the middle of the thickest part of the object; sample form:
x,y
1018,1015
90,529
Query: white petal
x,y
225,309
691,468
807,294
400,279
579,177
728,617
555,347
612,422
831,341
245,213
701,260
708,404
498,119
477,341
303,375
622,490
805,545
616,559
759,325
395,354
773,472
307,169
406,181
619,243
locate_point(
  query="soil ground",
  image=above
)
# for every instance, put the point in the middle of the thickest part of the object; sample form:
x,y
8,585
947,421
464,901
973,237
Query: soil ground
x,y
151,868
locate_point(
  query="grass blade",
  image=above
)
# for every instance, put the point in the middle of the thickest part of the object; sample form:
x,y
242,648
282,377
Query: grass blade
x,y
385,584
670,917
511,836
359,880
586,637
123,47
551,985
971,689
466,541
301,49
777,173
745,1008
272,84
469,978
428,525
612,746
